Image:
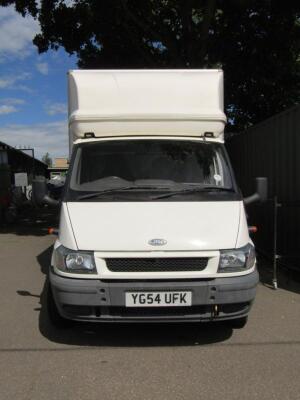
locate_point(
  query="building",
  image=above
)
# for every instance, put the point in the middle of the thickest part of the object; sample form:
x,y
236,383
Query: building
x,y
59,168
16,161
61,162
16,168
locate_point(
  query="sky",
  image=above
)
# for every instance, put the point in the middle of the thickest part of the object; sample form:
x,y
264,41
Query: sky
x,y
33,88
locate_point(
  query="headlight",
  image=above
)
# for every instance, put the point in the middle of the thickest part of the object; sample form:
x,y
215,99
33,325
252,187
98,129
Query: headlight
x,y
81,262
237,260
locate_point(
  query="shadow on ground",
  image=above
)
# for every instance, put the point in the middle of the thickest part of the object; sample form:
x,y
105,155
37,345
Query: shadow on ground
x,y
32,221
132,335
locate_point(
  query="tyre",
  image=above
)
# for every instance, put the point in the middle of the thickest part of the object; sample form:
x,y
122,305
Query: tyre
x,y
55,318
238,323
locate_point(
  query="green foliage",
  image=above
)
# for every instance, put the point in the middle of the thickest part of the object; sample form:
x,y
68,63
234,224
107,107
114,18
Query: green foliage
x,y
255,42
47,159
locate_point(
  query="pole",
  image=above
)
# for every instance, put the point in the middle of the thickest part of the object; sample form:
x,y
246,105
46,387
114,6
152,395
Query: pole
x,y
275,255
33,164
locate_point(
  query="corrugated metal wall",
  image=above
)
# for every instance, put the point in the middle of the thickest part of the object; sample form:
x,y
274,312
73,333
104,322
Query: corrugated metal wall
x,y
272,149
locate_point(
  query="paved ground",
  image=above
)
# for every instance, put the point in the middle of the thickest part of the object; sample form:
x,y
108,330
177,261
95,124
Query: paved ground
x,y
38,362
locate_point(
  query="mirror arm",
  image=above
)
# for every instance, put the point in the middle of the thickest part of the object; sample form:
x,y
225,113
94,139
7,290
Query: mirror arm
x,y
251,199
51,202
261,191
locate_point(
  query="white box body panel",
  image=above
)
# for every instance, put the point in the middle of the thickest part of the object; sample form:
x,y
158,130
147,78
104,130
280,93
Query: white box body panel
x,y
146,102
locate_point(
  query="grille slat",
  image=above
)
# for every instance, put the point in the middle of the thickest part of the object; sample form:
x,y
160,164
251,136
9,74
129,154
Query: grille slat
x,y
156,264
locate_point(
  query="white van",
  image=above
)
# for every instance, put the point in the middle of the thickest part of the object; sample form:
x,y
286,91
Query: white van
x,y
152,223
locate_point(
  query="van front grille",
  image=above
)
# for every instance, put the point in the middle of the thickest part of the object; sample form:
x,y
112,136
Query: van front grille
x,y
156,264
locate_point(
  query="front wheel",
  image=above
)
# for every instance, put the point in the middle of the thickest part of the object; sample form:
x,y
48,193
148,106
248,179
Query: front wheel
x,y
238,323
55,318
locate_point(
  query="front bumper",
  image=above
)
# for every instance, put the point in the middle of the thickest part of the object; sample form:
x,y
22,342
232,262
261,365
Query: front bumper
x,y
212,299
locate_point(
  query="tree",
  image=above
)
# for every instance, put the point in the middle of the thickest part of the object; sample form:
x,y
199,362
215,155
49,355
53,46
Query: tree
x,y
255,42
47,159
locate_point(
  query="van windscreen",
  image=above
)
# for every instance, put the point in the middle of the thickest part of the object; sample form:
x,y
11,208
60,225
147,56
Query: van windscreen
x,y
153,163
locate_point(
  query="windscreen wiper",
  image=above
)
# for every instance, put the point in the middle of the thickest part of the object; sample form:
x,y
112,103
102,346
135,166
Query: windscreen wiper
x,y
192,190
117,189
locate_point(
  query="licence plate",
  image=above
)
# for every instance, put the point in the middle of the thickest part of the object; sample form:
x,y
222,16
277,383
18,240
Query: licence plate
x,y
158,299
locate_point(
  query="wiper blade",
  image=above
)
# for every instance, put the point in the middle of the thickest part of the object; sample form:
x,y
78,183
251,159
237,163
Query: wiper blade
x,y
192,190
117,189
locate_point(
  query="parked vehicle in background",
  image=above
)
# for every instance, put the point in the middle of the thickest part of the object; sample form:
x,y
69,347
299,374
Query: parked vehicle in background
x,y
152,224
56,186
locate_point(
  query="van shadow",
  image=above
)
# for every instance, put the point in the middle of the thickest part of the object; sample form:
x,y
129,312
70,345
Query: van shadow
x,y
124,335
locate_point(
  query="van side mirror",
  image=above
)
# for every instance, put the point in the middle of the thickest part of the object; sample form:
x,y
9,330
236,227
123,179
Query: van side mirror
x,y
40,193
261,193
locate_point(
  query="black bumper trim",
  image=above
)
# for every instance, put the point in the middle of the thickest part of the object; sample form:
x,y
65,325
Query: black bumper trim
x,y
95,300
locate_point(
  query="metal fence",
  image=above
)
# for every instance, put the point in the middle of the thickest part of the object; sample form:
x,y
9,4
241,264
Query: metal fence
x,y
272,149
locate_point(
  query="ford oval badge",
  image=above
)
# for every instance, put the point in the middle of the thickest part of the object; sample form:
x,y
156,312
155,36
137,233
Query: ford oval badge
x,y
157,242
